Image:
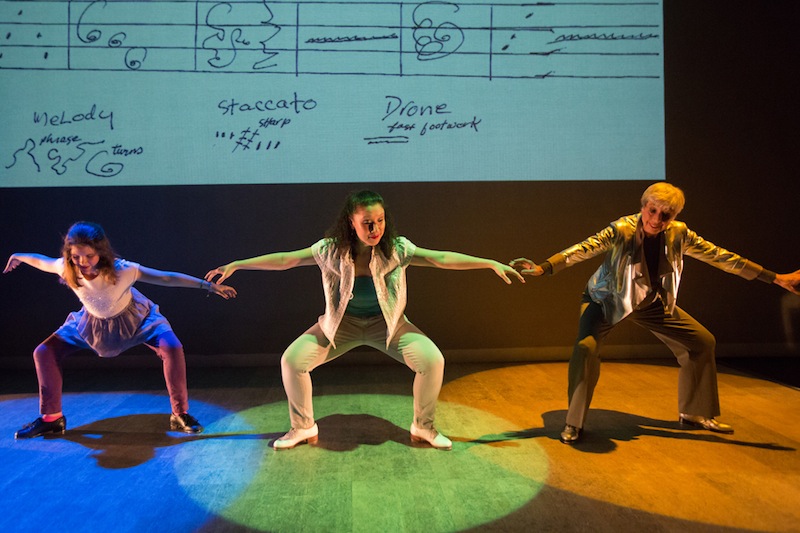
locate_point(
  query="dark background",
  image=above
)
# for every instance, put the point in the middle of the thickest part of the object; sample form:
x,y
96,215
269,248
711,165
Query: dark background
x,y
731,145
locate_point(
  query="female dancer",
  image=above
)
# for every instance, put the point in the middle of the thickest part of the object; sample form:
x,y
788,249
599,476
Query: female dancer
x,y
363,265
114,317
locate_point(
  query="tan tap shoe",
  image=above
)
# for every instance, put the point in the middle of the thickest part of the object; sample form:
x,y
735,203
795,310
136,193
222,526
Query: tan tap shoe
x,y
297,436
710,424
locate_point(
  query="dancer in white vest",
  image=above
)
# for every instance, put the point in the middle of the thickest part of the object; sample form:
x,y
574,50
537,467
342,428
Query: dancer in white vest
x,y
363,265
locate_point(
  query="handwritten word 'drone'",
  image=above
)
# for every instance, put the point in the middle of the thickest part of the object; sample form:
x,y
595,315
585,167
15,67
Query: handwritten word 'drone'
x,y
296,104
64,118
396,105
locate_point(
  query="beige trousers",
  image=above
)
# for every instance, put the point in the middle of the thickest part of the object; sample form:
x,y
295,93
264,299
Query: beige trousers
x,y
409,346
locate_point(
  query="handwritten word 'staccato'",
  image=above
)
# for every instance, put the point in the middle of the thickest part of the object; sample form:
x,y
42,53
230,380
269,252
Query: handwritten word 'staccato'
x,y
296,104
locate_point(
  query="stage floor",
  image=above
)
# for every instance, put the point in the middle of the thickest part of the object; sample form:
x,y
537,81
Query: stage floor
x,y
118,468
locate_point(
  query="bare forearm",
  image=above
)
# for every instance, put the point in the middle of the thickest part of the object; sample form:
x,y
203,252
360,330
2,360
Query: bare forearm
x,y
38,261
273,261
458,261
174,279
178,279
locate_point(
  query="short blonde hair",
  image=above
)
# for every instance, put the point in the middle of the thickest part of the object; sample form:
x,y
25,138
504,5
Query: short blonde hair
x,y
666,196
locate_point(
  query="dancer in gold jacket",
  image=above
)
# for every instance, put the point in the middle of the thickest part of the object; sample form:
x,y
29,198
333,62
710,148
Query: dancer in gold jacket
x,y
638,280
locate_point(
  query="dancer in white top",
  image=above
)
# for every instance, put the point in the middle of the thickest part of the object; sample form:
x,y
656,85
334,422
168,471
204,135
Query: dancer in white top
x,y
114,317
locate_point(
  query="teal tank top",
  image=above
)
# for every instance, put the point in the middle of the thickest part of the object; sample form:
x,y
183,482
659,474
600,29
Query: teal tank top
x,y
365,300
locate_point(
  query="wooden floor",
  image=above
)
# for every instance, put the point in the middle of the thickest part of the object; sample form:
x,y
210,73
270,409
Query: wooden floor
x,y
118,468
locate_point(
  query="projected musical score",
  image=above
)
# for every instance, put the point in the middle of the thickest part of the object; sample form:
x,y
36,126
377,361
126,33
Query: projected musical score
x,y
379,38
338,76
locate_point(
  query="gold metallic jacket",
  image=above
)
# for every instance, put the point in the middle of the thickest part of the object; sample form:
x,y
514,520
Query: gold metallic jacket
x,y
622,281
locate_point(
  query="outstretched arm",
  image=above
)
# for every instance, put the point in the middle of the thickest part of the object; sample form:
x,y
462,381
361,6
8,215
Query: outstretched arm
x,y
273,261
459,261
177,279
42,262
591,247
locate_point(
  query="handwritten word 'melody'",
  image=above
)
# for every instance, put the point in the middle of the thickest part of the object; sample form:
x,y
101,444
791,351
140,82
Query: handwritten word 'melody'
x,y
64,118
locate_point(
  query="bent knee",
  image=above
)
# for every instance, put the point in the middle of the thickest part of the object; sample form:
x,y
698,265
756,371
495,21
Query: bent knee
x,y
430,363
51,348
706,341
42,352
294,361
586,347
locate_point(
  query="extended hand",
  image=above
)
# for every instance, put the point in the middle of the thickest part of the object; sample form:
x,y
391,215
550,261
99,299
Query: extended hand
x,y
224,272
526,266
790,282
13,263
505,271
225,291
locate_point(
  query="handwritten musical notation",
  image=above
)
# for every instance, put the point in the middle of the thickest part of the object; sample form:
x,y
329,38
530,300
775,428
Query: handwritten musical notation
x,y
166,92
535,40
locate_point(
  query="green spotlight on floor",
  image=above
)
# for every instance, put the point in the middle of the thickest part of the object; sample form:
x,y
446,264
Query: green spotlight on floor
x,y
363,474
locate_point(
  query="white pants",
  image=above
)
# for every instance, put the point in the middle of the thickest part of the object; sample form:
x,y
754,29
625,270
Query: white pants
x,y
409,346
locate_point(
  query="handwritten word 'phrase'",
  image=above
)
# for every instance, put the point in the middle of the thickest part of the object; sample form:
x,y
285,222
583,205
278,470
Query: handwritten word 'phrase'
x,y
62,118
296,104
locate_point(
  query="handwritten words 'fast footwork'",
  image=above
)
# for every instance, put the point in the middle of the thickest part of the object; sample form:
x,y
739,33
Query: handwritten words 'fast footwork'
x,y
408,115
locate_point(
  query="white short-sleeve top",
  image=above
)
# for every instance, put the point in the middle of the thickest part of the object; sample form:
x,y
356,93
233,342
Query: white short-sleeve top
x,y
102,298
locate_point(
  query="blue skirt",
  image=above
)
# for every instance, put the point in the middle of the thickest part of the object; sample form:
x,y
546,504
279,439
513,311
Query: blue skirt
x,y
139,323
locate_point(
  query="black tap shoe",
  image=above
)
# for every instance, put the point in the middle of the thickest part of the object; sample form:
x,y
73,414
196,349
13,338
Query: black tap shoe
x,y
39,427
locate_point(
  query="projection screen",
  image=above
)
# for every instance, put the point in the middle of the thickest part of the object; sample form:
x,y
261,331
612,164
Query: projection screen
x,y
176,92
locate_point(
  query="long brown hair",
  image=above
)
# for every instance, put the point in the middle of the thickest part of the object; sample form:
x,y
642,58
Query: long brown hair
x,y
343,234
88,234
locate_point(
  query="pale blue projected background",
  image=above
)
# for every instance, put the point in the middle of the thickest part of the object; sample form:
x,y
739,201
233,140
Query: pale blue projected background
x,y
197,92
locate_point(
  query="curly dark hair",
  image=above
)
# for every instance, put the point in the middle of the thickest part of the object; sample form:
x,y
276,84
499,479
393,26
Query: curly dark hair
x,y
343,234
88,234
